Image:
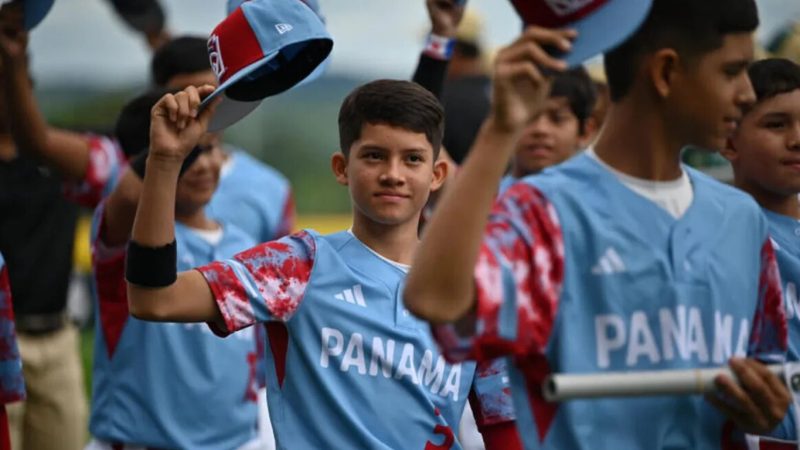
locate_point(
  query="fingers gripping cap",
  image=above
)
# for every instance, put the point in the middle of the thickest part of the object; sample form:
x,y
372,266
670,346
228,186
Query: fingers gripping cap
x,y
601,24
263,48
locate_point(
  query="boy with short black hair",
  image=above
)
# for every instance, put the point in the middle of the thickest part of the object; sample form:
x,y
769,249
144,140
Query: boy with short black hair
x,y
342,347
621,258
561,129
765,155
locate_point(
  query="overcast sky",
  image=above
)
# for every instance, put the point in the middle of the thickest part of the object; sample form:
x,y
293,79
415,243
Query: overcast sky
x,y
82,41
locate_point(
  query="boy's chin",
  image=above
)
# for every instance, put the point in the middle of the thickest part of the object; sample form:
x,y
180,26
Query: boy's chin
x,y
389,219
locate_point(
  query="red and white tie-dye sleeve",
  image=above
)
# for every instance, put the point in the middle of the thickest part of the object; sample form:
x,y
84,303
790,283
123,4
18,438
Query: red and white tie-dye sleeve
x,y
769,335
490,397
106,161
518,280
263,284
12,384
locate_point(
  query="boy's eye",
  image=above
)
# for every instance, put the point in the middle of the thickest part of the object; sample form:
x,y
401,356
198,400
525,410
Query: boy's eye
x,y
558,117
372,155
774,124
415,158
735,70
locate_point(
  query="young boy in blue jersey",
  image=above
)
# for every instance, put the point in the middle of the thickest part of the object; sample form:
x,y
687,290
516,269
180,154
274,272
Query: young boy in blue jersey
x,y
765,155
167,385
349,367
621,258
562,128
251,194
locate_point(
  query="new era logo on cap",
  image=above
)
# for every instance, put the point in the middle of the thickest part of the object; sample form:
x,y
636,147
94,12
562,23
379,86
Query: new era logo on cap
x,y
601,24
283,28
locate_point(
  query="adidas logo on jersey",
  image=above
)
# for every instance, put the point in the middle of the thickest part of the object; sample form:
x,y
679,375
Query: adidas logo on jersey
x,y
283,28
609,263
354,296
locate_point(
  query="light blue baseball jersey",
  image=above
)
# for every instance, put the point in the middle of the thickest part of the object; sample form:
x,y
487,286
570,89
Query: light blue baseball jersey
x,y
505,183
254,197
579,274
105,162
785,234
353,369
12,384
169,385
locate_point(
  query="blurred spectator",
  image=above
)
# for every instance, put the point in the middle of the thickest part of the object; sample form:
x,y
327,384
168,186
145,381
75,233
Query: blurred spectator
x,y
786,43
467,89
37,227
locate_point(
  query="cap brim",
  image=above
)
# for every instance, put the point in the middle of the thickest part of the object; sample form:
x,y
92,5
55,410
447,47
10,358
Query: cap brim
x,y
606,28
35,12
229,111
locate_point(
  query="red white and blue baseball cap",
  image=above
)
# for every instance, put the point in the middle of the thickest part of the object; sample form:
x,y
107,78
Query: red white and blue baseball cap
x,y
231,6
263,48
601,24
33,11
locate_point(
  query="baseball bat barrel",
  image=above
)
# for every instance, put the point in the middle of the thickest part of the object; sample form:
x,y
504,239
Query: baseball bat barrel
x,y
561,387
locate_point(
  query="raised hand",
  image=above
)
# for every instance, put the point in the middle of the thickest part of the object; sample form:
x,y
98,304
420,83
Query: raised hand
x,y
176,123
445,16
520,82
13,37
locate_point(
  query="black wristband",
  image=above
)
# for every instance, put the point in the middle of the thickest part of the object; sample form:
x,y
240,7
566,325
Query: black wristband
x,y
151,266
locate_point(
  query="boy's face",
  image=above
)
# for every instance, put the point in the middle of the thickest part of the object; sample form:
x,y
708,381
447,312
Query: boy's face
x,y
552,137
708,94
390,172
765,150
198,183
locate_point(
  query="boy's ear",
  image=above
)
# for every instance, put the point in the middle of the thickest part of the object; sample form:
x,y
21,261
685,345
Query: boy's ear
x,y
589,132
441,168
339,167
662,68
729,151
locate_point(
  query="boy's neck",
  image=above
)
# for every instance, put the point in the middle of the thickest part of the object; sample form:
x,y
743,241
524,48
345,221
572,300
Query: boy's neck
x,y
636,142
787,205
394,242
196,219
